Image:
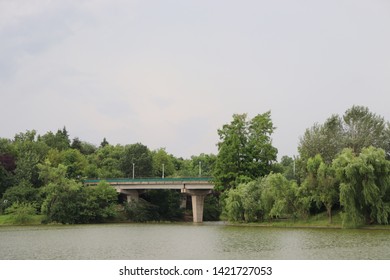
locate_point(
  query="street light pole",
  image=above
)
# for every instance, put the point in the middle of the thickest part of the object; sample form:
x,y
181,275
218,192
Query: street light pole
x,y
163,170
133,170
200,169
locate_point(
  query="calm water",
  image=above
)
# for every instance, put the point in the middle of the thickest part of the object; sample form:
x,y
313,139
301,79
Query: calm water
x,y
189,241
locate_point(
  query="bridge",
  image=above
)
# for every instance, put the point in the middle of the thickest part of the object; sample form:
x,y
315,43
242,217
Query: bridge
x,y
197,188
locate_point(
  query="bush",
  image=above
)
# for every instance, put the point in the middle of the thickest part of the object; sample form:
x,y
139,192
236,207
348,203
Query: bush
x,y
21,213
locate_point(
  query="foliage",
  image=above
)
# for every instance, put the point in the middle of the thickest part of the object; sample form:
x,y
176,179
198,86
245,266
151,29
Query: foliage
x,y
59,141
326,140
365,186
21,212
24,192
141,211
358,128
141,157
322,183
162,163
67,202
245,149
100,203
212,208
167,204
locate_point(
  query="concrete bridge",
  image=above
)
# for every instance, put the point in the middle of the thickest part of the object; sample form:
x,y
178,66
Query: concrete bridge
x,y
197,188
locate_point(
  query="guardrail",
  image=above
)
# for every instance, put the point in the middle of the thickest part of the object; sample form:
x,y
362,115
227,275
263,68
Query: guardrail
x,y
154,180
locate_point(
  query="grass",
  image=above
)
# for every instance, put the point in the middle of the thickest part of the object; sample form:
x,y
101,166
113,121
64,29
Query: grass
x,y
317,221
9,220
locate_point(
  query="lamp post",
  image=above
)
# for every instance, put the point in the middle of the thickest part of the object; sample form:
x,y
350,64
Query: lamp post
x,y
200,169
133,170
162,171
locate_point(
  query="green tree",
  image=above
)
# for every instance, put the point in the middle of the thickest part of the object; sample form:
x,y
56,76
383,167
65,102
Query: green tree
x,y
7,164
162,162
321,180
100,204
365,185
59,141
24,192
283,198
75,162
165,204
364,129
326,140
245,150
67,201
141,157
63,197
108,160
30,152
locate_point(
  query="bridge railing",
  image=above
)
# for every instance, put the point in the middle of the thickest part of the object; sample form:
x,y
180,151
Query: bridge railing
x,y
138,180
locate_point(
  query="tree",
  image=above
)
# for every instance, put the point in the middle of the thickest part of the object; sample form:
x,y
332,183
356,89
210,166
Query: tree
x,y
364,129
7,164
261,154
104,143
24,192
29,152
162,163
358,128
364,186
63,197
245,150
326,140
108,160
75,163
321,180
100,204
141,157
67,201
59,141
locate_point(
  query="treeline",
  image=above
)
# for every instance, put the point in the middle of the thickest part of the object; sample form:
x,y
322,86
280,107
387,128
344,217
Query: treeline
x,y
342,165
43,174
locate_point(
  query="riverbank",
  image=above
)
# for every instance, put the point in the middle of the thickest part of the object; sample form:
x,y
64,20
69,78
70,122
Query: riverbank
x,y
318,221
8,220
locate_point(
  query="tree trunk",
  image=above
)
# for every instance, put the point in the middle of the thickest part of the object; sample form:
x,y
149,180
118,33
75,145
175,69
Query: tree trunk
x,y
329,212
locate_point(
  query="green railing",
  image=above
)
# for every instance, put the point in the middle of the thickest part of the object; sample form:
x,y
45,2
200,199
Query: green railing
x,y
139,180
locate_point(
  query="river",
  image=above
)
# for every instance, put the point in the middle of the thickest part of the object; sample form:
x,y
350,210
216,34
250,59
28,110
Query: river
x,y
187,241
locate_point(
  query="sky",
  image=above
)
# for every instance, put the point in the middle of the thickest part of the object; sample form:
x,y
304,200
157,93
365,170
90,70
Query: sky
x,y
169,74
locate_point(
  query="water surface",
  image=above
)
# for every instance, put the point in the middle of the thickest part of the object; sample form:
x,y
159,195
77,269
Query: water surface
x,y
189,241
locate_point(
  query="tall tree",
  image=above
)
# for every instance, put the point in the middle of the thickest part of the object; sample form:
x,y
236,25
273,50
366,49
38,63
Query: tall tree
x,y
364,186
245,150
162,163
139,155
321,181
364,129
325,139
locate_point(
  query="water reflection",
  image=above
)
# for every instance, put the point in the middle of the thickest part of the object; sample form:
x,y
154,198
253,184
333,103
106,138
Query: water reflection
x,y
189,241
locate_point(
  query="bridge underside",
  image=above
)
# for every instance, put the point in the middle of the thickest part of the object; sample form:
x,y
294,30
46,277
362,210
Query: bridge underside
x,y
197,189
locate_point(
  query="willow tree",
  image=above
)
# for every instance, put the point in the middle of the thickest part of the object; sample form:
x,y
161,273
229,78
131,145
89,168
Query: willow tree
x,y
364,186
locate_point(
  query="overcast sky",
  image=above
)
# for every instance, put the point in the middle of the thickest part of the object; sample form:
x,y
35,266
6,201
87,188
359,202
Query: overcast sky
x,y
170,73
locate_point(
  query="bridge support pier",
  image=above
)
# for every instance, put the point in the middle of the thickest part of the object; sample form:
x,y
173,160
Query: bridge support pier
x,y
132,195
198,197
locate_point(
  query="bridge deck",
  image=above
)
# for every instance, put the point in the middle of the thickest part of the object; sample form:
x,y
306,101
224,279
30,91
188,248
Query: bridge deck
x,y
156,183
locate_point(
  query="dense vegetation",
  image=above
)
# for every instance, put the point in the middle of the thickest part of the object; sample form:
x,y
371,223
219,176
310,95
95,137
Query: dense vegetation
x,y
343,165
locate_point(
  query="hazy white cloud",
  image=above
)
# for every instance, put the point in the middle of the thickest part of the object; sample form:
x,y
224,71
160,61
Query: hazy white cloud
x,y
169,74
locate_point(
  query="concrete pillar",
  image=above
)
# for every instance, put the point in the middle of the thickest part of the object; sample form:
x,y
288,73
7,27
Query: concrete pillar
x,y
197,197
132,195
